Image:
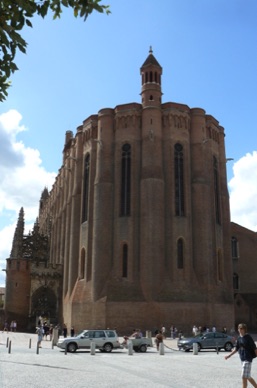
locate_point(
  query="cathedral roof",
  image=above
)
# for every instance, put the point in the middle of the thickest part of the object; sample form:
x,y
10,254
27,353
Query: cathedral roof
x,y
151,60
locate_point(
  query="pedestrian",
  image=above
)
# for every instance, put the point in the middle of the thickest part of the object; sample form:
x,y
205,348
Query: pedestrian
x,y
51,332
6,327
72,332
46,330
40,334
195,330
246,348
64,330
159,338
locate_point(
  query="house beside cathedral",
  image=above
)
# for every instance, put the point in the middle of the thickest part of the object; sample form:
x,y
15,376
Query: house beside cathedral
x,y
136,229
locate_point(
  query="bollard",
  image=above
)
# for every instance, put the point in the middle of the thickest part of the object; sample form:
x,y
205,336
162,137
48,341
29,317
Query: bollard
x,y
217,349
7,341
195,348
92,348
30,343
37,347
10,346
55,336
52,344
148,334
161,348
66,347
130,348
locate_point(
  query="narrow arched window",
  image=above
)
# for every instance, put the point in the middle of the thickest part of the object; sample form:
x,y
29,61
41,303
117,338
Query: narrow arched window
x,y
146,77
234,247
179,180
235,281
151,76
155,77
216,190
125,180
180,253
125,261
82,264
220,267
86,189
89,268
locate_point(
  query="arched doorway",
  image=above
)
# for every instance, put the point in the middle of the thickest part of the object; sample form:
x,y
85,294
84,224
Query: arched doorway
x,y
44,304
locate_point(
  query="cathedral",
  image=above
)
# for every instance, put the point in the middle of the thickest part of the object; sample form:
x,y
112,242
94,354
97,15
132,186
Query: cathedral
x,y
136,229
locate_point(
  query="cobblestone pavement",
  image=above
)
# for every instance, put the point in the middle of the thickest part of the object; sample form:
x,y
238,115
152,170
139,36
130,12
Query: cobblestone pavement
x,y
21,366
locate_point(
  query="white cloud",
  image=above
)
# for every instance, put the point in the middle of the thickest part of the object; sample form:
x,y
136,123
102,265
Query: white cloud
x,y
22,180
243,192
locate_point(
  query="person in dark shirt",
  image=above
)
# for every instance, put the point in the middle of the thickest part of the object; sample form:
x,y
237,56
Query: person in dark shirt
x,y
246,348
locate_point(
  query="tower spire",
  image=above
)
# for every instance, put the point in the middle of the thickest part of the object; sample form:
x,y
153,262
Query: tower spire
x,y
151,72
16,251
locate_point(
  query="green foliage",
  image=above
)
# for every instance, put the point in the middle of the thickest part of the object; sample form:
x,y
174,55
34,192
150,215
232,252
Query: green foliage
x,y
14,15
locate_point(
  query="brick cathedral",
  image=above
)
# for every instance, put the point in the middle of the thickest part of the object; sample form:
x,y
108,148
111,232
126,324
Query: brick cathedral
x,y
136,230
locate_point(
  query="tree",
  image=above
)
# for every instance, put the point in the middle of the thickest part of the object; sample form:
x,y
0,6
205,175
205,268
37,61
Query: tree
x,y
15,14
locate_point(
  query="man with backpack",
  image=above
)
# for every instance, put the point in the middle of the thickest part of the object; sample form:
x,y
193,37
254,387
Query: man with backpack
x,y
246,348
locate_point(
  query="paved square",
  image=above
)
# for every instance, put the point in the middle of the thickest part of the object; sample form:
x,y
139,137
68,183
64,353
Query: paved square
x,y
21,366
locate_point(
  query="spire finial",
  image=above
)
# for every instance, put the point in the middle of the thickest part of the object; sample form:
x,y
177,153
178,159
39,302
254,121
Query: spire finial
x,y
150,50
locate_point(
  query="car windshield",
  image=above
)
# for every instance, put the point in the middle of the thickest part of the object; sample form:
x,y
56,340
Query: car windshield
x,y
83,334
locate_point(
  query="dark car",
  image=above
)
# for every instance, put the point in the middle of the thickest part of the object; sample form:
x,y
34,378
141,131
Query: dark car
x,y
211,340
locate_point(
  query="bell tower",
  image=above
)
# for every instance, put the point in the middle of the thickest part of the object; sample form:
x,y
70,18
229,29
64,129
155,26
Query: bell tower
x,y
152,197
151,73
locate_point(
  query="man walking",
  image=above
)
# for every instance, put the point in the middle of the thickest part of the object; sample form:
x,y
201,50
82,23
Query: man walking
x,y
246,348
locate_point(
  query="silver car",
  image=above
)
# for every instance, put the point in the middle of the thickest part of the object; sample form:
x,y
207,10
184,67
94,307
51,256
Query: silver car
x,y
105,341
210,340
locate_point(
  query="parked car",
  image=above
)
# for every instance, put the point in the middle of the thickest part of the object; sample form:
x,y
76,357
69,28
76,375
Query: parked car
x,y
105,341
210,340
140,344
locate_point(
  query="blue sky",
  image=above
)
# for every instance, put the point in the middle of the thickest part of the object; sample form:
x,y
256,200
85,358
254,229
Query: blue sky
x,y
72,69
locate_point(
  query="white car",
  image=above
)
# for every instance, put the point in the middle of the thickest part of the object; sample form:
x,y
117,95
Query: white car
x,y
105,341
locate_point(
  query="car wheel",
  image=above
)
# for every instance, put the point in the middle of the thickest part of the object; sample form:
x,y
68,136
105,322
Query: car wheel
x,y
108,348
72,347
228,346
143,348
